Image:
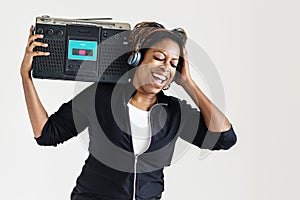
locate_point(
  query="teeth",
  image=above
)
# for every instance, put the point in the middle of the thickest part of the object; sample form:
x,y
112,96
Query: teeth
x,y
161,77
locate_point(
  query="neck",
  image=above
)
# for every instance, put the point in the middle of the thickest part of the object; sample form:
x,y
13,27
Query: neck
x,y
143,101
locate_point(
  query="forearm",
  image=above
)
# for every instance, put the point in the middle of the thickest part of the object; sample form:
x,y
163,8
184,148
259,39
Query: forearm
x,y
37,113
214,119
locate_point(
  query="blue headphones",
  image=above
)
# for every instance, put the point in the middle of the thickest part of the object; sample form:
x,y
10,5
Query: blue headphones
x,y
134,59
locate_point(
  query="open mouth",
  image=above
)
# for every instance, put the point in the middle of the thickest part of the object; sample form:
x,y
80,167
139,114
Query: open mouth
x,y
159,77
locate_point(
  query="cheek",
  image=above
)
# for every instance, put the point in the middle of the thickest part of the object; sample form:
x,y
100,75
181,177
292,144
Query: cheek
x,y
142,72
172,75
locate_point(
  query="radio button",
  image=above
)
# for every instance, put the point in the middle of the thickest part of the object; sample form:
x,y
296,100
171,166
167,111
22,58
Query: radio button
x,y
105,34
74,67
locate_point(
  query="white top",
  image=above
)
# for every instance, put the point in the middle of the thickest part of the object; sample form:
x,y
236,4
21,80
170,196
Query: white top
x,y
140,128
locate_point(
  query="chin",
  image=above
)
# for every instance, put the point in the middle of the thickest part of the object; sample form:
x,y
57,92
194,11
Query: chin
x,y
151,89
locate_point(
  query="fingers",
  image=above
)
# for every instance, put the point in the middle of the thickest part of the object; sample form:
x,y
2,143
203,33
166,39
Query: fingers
x,y
29,49
31,31
37,53
36,44
32,38
40,53
185,56
32,44
184,52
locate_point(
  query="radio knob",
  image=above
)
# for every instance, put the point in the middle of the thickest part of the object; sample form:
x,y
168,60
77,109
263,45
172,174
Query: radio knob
x,y
45,18
40,31
117,36
60,32
50,31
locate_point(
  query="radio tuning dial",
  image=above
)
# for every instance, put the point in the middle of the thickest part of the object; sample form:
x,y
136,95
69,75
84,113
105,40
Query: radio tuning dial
x,y
60,32
50,31
40,31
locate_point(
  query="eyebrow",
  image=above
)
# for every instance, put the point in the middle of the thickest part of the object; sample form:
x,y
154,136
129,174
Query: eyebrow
x,y
160,51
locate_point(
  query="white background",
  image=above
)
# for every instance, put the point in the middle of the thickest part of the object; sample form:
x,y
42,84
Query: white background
x,y
255,46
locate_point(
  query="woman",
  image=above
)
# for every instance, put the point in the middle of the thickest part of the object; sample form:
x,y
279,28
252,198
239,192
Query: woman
x,y
133,127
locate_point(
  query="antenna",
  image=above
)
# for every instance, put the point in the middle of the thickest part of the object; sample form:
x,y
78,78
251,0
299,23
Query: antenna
x,y
95,19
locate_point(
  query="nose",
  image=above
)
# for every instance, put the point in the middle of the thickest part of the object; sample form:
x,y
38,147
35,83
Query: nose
x,y
166,66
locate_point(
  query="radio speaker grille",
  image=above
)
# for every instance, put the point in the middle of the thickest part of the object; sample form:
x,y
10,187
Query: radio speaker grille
x,y
55,61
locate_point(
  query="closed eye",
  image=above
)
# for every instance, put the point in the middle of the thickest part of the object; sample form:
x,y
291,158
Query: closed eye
x,y
159,59
173,65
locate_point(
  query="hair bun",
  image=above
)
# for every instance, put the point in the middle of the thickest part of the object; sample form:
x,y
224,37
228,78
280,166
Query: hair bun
x,y
181,33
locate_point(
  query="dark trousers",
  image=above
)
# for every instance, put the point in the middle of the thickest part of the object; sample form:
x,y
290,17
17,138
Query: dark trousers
x,y
78,196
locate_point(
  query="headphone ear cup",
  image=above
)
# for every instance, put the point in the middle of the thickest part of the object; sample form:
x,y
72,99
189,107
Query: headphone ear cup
x,y
134,59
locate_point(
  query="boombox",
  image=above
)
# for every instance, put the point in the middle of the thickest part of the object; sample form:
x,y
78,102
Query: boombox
x,y
82,49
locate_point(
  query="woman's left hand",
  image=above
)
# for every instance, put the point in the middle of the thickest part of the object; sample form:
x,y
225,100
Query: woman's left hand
x,y
185,74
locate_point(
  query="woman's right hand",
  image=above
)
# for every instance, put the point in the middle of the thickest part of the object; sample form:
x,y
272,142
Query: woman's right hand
x,y
26,65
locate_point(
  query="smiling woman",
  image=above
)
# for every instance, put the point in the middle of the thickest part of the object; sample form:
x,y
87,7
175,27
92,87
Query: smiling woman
x,y
133,127
158,53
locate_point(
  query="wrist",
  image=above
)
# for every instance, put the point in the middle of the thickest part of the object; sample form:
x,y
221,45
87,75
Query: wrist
x,y
25,74
187,83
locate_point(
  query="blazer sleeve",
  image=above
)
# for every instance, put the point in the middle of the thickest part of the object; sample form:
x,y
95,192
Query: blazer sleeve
x,y
193,130
68,121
